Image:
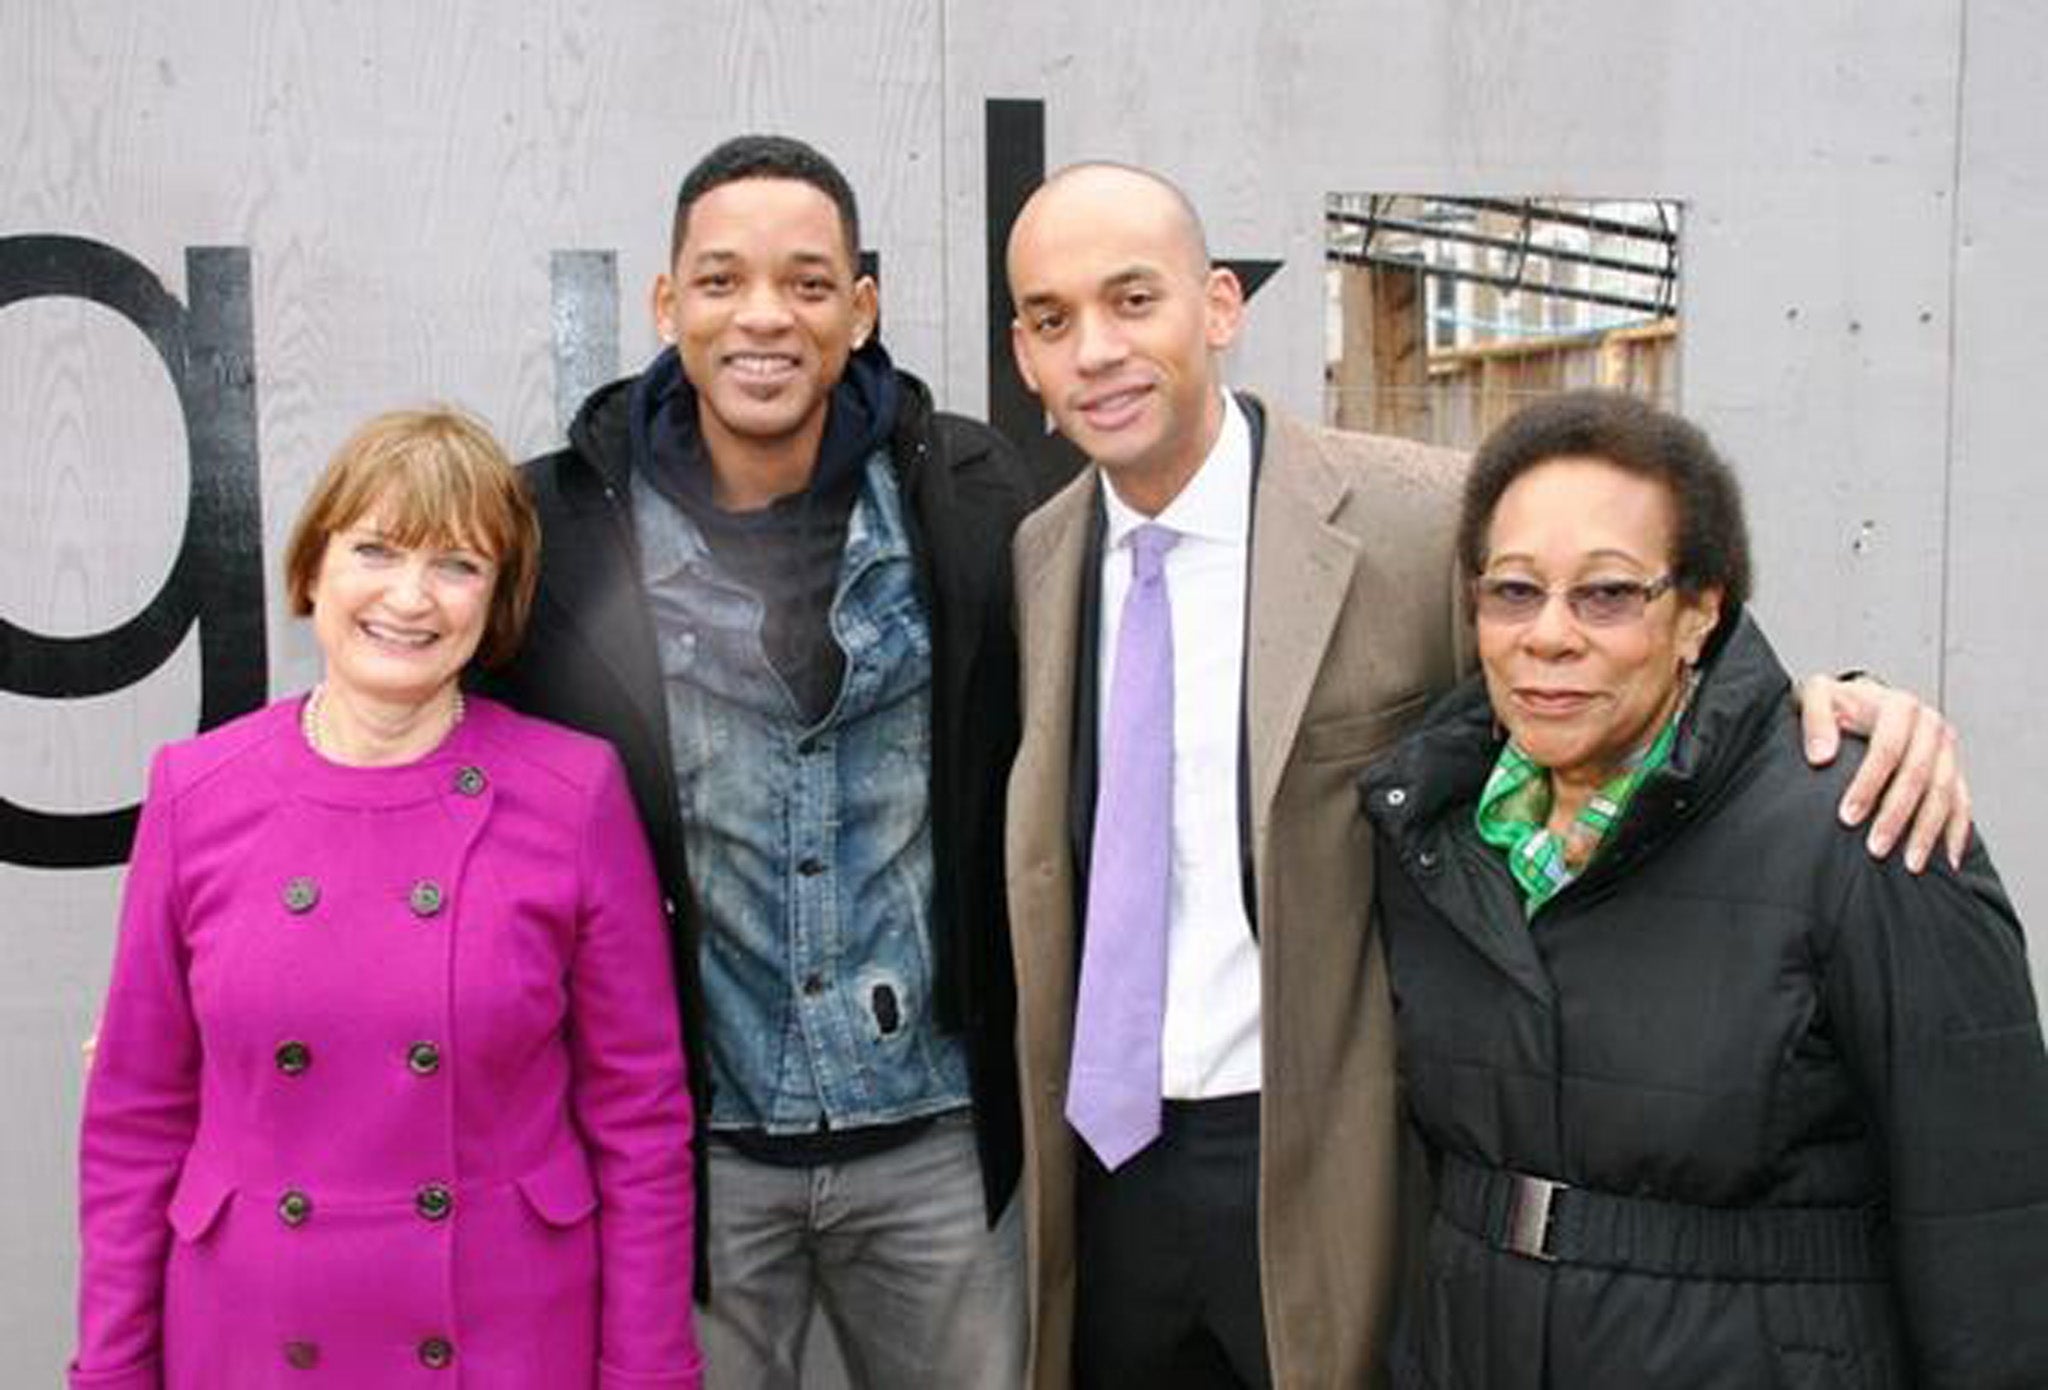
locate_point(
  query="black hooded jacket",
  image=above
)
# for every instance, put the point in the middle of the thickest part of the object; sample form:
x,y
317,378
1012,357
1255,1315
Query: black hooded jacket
x,y
589,661
1801,1093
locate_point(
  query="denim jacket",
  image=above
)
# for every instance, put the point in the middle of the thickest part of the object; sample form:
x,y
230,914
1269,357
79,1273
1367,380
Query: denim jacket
x,y
811,844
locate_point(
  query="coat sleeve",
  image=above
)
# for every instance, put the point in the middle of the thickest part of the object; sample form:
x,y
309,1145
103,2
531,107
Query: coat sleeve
x,y
1928,986
141,1111
631,1103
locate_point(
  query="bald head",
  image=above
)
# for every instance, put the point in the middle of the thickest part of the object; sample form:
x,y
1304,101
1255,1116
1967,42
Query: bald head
x,y
1120,323
1080,192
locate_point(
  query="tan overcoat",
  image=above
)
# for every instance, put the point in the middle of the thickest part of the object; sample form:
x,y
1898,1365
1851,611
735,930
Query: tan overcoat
x,y
1354,626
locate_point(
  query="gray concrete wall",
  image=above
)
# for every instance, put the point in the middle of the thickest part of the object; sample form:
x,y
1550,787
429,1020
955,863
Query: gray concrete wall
x,y
1865,320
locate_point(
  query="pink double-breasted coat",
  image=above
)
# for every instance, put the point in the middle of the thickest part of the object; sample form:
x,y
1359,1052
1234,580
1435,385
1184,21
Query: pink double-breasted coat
x,y
388,1089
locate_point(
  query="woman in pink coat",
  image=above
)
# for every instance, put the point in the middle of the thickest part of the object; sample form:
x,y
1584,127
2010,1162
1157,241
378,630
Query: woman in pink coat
x,y
388,1089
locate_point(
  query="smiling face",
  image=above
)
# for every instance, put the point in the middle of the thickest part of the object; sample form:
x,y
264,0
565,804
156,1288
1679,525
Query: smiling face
x,y
764,308
397,623
1119,318
1580,699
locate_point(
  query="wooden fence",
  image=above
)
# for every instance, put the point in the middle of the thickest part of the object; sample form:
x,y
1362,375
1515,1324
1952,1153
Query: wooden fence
x,y
1384,382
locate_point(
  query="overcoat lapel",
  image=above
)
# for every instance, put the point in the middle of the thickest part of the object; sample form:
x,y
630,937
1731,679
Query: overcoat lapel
x,y
1049,586
1301,568
597,567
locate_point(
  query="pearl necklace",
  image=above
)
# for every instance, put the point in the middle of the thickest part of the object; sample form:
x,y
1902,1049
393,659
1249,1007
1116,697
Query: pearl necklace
x,y
314,728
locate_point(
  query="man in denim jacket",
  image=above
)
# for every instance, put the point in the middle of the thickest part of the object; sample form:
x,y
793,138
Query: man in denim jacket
x,y
778,581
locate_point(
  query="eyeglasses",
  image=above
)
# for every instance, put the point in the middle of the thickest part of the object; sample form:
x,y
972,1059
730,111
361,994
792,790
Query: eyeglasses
x,y
1597,603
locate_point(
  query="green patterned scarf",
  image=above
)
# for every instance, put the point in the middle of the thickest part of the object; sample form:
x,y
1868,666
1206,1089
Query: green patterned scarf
x,y
1515,805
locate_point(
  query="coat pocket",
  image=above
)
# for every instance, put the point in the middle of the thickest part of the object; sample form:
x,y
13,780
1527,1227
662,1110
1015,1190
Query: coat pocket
x,y
1348,738
560,1189
197,1203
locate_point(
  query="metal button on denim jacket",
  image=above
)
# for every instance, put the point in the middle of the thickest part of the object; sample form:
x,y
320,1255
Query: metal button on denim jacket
x,y
809,845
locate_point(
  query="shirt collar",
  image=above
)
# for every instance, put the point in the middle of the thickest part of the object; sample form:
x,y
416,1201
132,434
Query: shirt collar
x,y
1215,505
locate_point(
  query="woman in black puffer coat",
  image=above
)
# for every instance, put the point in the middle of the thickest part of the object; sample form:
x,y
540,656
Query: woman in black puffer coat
x,y
1711,1098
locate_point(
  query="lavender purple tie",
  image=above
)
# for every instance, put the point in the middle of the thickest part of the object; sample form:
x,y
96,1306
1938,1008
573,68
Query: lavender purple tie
x,y
1113,1079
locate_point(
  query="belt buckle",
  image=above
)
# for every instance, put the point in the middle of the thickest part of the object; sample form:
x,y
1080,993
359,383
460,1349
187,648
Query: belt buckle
x,y
1529,1201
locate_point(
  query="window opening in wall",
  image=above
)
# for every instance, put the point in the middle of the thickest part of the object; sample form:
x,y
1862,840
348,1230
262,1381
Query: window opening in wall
x,y
1447,313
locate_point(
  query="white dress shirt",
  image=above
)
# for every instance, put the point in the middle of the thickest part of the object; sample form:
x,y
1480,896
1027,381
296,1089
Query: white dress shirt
x,y
1211,1042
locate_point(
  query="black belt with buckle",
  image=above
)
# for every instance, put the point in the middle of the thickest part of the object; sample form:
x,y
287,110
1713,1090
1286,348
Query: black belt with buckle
x,y
1542,1219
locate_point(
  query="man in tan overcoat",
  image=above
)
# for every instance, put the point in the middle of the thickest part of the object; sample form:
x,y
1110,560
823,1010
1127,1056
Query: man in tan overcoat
x,y
1350,629
1242,1233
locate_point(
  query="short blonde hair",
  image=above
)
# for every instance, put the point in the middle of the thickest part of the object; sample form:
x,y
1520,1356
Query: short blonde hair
x,y
437,477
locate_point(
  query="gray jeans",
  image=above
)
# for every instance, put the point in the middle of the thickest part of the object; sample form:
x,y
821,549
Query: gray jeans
x,y
895,1248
